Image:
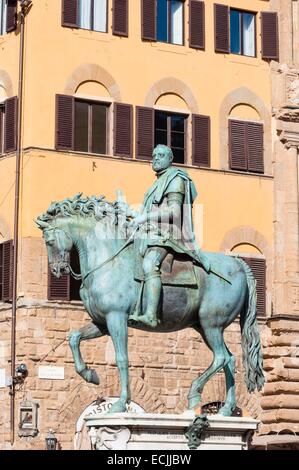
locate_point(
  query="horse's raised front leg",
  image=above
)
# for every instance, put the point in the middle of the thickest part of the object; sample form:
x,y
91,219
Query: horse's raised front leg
x,y
89,331
118,330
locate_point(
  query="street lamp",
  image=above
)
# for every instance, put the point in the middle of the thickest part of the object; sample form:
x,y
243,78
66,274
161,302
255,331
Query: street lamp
x,y
51,440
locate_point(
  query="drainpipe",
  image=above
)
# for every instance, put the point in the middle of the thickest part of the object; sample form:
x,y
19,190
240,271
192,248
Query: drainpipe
x,y
25,5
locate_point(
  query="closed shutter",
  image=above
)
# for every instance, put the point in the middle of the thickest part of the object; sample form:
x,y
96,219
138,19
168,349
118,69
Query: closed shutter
x,y
11,15
237,152
7,270
258,268
270,36
123,129
197,24
255,146
201,132
221,25
65,113
145,126
58,289
148,20
120,17
70,13
10,124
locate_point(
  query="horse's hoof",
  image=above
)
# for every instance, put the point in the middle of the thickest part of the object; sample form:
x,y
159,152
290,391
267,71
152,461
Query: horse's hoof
x,y
194,401
226,410
91,376
118,407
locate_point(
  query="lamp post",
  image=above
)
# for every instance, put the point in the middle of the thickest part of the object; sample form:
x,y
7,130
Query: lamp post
x,y
51,440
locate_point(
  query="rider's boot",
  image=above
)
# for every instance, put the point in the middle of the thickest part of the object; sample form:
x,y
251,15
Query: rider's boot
x,y
151,295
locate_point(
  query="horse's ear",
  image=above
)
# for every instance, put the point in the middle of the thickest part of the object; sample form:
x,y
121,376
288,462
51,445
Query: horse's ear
x,y
77,196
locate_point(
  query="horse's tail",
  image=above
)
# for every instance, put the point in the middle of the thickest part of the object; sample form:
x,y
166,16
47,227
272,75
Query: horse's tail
x,y
251,342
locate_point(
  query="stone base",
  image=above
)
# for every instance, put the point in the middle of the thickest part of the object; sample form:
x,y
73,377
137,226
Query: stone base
x,y
138,431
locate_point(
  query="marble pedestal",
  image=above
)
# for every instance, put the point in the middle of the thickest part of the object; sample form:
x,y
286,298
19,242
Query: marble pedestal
x,y
142,431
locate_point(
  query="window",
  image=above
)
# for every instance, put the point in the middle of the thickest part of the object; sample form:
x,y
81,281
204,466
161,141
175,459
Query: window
x,y
90,127
1,129
93,15
242,33
66,287
170,129
3,16
170,15
258,268
6,262
246,146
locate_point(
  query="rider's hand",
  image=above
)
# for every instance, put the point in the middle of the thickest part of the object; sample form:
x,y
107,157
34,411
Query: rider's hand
x,y
139,219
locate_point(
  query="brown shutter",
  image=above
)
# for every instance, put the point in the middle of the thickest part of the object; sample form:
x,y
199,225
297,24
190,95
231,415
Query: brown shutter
x,y
120,17
197,24
7,270
270,36
10,124
258,268
11,15
58,289
255,146
65,116
221,26
70,13
145,127
123,129
201,138
237,138
149,20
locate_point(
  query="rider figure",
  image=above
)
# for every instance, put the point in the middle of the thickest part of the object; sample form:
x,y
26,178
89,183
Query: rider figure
x,y
166,223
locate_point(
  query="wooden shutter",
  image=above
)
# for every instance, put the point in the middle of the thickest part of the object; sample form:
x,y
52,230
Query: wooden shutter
x,y
258,268
58,289
221,25
149,20
197,24
70,13
123,129
237,137
145,127
120,17
201,138
7,270
270,36
65,117
10,124
255,146
11,15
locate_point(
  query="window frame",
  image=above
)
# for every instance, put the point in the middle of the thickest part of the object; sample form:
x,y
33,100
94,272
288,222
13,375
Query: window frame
x,y
2,21
169,24
242,32
169,131
91,102
2,124
92,18
247,171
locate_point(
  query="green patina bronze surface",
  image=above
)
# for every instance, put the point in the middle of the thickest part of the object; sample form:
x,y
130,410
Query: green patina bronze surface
x,y
111,239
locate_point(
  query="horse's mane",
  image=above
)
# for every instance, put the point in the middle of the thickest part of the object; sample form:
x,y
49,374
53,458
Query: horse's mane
x,y
96,206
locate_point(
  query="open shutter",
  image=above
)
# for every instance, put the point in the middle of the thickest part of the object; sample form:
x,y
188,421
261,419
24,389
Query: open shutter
x,y
148,20
201,133
120,17
145,126
221,25
65,116
7,270
258,268
270,36
197,24
58,289
11,15
123,129
237,152
10,124
69,13
255,146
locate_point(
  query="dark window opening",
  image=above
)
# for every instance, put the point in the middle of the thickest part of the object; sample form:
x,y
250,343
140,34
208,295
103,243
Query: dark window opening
x,y
1,272
242,33
91,127
1,129
170,129
74,284
92,15
246,146
170,21
258,268
3,14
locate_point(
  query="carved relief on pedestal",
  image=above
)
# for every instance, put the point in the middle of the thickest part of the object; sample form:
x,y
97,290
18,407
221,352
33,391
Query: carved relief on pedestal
x,y
293,296
109,438
292,89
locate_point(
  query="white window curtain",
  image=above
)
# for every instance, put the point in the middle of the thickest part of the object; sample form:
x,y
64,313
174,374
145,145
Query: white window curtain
x,y
249,34
85,14
2,17
176,21
100,15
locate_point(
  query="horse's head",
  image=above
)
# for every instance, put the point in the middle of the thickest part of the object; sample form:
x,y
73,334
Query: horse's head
x,y
59,244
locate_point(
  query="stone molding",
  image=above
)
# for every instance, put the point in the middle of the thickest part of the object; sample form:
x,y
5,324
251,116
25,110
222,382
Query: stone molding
x,y
246,97
175,86
6,83
92,72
